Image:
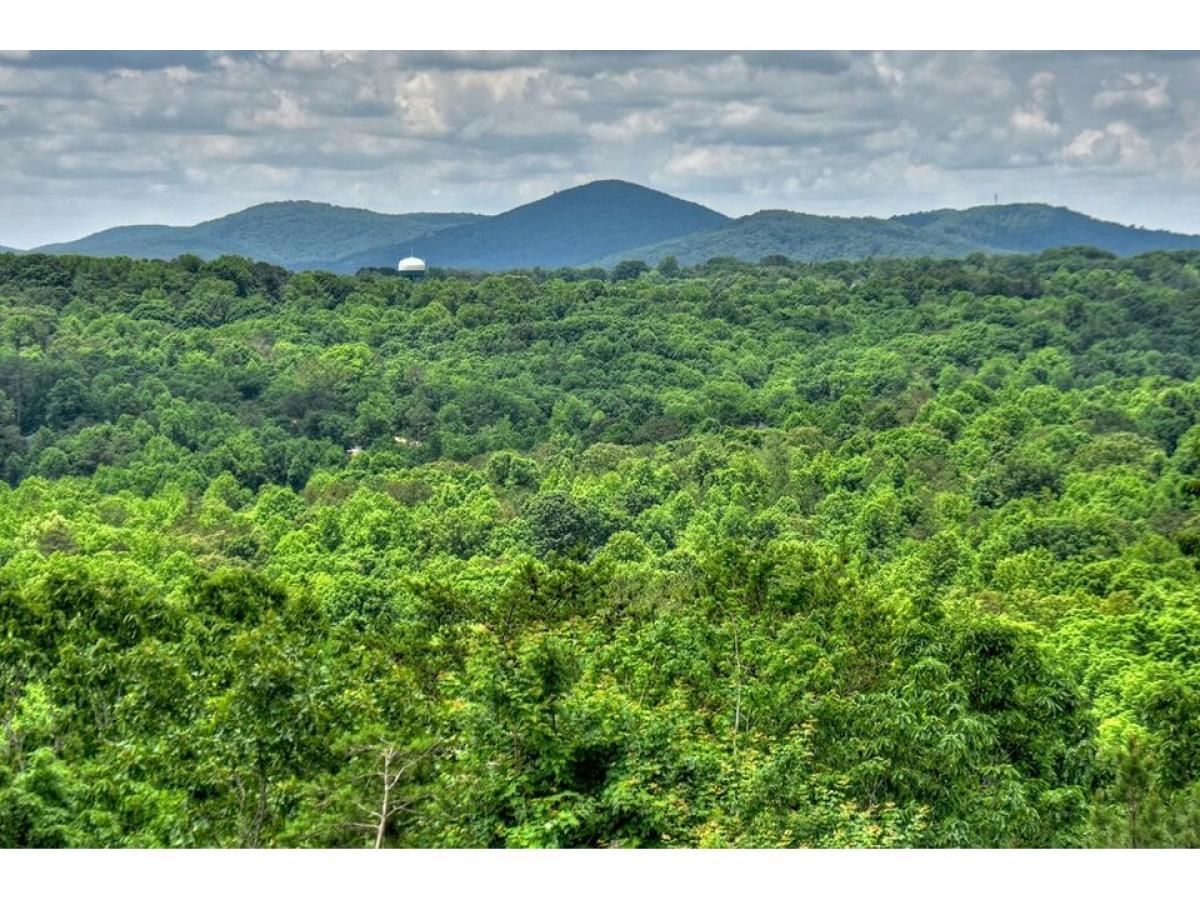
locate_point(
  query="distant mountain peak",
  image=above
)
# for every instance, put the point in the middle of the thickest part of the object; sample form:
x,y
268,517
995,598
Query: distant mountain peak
x,y
615,184
1031,204
566,228
597,183
604,221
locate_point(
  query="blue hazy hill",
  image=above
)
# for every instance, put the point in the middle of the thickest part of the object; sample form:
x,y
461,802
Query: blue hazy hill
x,y
297,234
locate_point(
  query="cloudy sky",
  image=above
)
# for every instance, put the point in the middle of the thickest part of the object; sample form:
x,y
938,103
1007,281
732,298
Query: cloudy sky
x,y
90,140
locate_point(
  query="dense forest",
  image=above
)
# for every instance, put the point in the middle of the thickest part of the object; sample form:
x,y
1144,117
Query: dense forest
x,y
849,554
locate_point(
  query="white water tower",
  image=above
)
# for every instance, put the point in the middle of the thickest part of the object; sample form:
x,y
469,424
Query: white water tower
x,y
412,267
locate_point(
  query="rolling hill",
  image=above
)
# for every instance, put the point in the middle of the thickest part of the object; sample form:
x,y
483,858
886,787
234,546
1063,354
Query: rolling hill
x,y
296,234
604,222
1033,227
568,228
798,236
1012,228
4,249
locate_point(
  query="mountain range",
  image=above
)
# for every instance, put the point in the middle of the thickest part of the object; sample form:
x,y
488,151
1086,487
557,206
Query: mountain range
x,y
604,222
1011,228
296,234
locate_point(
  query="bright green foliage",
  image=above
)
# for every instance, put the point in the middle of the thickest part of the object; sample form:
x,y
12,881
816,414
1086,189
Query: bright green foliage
x,y
874,554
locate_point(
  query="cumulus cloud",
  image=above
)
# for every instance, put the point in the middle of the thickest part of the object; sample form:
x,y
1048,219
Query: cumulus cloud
x,y
97,139
1136,92
1034,122
1117,144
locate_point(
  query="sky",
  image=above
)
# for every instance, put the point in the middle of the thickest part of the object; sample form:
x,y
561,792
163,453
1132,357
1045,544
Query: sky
x,y
92,140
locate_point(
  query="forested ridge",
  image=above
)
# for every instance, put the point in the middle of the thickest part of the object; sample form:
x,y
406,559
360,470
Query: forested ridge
x,y
1008,228
857,554
602,223
293,234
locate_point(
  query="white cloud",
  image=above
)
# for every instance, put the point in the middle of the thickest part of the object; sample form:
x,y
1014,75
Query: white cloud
x,y
1034,122
286,113
1135,92
708,162
99,139
1187,154
1117,144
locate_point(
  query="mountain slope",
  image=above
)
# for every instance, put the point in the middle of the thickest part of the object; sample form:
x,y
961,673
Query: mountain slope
x,y
1015,228
798,236
1033,227
567,228
148,241
4,249
297,234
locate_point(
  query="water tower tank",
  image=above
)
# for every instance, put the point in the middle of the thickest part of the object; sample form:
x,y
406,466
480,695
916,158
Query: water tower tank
x,y
410,265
